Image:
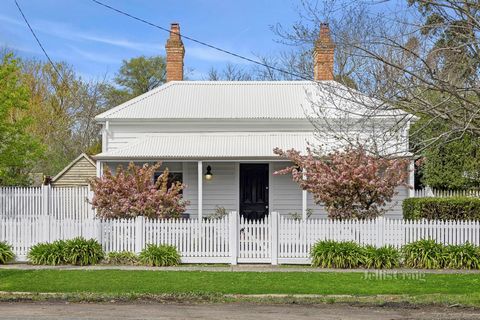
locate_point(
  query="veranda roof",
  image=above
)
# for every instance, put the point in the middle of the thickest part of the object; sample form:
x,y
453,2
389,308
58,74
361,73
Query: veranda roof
x,y
210,146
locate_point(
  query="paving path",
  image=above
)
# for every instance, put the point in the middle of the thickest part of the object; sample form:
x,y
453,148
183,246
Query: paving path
x,y
61,311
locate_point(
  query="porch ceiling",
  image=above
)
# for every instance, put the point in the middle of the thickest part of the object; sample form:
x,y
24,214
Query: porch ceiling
x,y
209,146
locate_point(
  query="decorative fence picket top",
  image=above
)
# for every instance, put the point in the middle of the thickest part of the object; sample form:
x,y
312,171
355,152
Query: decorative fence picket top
x,y
428,192
24,232
192,237
275,239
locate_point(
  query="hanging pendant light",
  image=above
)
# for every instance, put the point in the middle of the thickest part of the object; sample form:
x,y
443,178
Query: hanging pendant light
x,y
209,175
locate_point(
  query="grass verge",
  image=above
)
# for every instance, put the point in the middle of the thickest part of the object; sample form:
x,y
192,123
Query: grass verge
x,y
271,287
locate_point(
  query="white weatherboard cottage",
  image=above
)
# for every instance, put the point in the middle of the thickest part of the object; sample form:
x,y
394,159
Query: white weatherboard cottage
x,y
218,136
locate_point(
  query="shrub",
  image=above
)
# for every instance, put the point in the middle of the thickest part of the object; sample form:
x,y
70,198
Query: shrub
x,y
160,255
48,253
424,254
6,253
133,192
454,208
219,213
386,257
79,251
123,257
465,256
351,183
332,254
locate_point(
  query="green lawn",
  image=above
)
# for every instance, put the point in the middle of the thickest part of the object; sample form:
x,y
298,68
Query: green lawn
x,y
178,282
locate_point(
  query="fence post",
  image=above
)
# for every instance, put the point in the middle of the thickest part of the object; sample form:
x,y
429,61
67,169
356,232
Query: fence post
x,y
46,199
233,236
274,231
380,231
90,210
46,212
139,233
98,230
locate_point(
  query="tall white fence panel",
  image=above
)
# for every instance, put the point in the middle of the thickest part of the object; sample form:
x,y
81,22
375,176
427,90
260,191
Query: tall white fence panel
x,y
59,202
70,203
20,202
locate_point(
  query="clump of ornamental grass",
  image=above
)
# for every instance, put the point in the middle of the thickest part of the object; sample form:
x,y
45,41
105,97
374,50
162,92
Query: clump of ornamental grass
x,y
332,254
386,257
122,258
82,252
6,253
159,255
45,253
424,254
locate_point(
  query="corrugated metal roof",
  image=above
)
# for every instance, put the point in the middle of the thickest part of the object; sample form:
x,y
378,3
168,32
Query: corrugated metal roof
x,y
198,146
238,100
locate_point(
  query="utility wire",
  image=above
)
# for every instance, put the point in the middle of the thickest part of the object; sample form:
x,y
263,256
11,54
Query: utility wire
x,y
158,27
38,40
75,97
200,42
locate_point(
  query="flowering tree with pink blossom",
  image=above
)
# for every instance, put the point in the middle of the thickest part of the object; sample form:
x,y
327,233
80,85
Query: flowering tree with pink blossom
x,y
350,183
133,192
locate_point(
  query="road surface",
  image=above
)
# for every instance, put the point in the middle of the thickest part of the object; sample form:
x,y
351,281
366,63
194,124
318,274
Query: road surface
x,y
47,310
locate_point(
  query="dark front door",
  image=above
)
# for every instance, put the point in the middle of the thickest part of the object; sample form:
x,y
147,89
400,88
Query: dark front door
x,y
254,190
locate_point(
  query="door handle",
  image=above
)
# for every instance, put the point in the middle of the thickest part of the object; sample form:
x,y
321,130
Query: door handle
x,y
266,207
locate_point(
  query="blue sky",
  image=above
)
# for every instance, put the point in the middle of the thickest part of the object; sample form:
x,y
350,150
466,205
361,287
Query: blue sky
x,y
95,40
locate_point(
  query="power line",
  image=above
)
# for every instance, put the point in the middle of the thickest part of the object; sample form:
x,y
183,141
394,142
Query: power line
x,y
200,42
75,97
38,40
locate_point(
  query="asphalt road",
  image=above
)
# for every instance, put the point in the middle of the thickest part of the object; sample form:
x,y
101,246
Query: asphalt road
x,y
42,311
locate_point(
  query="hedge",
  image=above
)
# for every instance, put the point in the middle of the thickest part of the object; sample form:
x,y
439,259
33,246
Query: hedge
x,y
454,208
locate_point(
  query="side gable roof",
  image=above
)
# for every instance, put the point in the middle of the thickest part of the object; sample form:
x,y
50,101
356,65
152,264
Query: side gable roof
x,y
240,100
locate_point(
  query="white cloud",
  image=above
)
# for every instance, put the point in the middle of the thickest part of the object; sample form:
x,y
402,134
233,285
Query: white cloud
x,y
94,56
65,31
9,20
124,43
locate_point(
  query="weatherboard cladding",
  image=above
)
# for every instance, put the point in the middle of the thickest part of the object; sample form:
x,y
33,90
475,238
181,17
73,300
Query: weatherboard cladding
x,y
77,173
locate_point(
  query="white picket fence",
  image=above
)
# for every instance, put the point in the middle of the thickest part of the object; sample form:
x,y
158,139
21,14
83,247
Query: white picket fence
x,y
232,239
59,202
428,192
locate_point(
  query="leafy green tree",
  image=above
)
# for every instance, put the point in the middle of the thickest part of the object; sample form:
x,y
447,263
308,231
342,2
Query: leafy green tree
x,y
19,150
454,164
135,77
62,108
141,74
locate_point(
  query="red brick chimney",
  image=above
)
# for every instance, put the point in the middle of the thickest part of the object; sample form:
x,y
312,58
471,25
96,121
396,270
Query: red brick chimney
x,y
323,55
175,53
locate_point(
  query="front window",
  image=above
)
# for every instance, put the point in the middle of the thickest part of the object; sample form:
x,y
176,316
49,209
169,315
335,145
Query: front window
x,y
172,177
